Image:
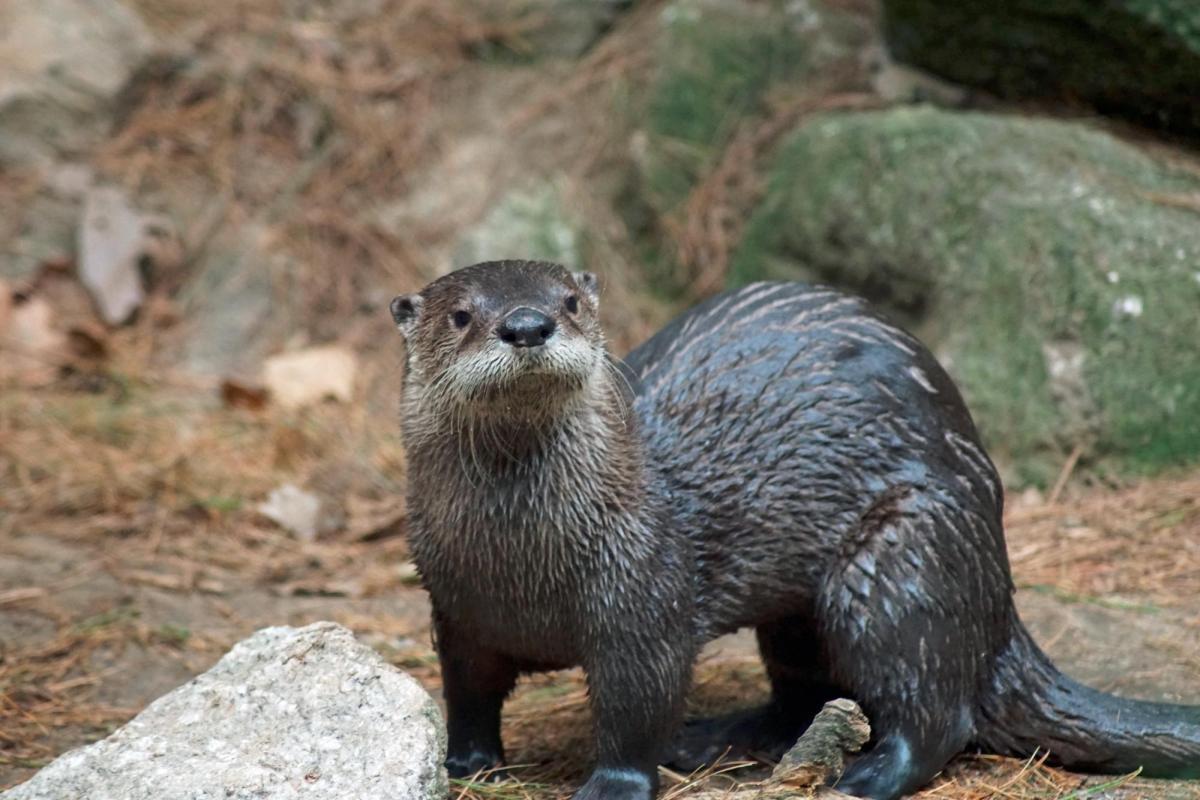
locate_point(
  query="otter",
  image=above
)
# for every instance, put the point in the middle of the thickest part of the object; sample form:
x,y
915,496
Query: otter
x,y
779,457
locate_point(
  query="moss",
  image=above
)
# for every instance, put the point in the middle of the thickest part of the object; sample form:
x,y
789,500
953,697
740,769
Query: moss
x,y
717,67
1038,258
1137,58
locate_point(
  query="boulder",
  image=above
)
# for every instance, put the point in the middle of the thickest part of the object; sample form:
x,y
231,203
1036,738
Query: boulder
x,y
287,713
1054,269
62,65
717,64
530,222
237,304
1136,58
556,28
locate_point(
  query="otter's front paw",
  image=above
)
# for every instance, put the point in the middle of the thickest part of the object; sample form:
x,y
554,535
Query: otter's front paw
x,y
618,784
467,764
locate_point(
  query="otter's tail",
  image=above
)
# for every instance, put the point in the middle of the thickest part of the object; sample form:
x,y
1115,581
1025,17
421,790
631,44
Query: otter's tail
x,y
1031,706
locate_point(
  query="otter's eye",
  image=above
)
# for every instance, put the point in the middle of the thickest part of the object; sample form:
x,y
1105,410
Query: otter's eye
x,y
572,303
461,318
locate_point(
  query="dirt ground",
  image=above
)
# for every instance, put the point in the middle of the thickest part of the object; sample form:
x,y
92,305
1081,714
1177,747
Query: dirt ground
x,y
131,552
94,624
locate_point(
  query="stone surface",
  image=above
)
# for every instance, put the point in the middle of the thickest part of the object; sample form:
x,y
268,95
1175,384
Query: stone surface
x,y
42,227
234,305
1136,58
1053,269
530,222
62,65
718,64
562,28
287,713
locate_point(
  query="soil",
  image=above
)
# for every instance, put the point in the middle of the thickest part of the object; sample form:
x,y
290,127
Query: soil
x,y
155,637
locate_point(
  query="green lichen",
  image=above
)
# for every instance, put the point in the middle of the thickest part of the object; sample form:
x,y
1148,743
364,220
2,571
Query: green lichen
x,y
1050,266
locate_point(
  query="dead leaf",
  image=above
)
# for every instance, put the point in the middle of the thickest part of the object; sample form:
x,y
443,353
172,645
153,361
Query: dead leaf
x,y
236,394
33,348
294,510
88,341
304,377
112,239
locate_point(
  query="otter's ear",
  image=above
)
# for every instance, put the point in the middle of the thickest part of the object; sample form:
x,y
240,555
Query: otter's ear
x,y
406,310
588,283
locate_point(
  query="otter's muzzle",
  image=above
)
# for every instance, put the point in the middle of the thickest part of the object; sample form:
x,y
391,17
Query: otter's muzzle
x,y
525,327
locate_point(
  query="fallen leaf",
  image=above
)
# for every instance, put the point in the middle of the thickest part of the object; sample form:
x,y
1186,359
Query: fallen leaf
x,y
236,394
304,377
88,341
112,238
33,348
294,510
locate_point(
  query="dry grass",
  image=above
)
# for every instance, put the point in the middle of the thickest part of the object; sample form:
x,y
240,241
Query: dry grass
x,y
1141,540
162,482
297,122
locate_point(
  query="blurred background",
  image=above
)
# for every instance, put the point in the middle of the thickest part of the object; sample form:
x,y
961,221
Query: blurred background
x,y
205,208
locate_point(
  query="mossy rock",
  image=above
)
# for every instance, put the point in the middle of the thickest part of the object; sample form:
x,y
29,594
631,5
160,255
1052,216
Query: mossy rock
x,y
1054,269
716,66
1135,58
719,65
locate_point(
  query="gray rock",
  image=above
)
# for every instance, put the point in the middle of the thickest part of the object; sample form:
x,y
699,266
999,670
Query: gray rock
x,y
41,228
62,65
287,713
569,27
234,311
526,223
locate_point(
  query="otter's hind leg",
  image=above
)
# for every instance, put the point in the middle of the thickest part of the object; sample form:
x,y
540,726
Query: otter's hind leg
x,y
907,619
799,687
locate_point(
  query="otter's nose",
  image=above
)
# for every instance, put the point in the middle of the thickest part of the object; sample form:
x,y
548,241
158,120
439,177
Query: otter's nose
x,y
525,327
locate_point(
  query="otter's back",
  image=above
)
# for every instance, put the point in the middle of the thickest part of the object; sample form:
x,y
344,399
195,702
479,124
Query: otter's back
x,y
776,414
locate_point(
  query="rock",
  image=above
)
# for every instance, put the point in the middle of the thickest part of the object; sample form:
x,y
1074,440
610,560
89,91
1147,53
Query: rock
x,y
1136,58
524,223
112,237
1051,267
287,713
42,228
64,63
568,28
304,377
36,231
234,314
723,71
557,28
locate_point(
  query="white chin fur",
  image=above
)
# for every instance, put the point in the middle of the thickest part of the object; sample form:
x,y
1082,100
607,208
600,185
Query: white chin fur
x,y
497,365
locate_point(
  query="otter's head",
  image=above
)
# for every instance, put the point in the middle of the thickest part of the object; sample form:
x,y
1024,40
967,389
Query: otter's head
x,y
510,339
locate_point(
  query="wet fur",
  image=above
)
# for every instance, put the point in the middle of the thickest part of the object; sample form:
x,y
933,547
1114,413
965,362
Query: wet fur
x,y
778,457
